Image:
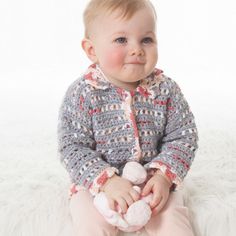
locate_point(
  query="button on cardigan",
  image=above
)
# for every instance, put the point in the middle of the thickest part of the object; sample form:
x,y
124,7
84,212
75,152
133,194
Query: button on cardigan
x,y
101,127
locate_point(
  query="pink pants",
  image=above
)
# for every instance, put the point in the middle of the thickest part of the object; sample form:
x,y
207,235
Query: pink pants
x,y
172,220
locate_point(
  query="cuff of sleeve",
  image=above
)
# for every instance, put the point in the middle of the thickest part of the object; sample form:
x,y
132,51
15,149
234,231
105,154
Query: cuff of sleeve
x,y
101,179
176,181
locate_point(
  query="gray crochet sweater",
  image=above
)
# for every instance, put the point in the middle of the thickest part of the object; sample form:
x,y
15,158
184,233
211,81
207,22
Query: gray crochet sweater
x,y
101,125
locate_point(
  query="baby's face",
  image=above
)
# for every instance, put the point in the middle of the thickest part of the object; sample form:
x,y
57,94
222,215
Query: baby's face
x,y
126,50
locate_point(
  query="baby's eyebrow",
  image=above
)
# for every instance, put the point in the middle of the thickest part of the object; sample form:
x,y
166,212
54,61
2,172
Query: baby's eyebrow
x,y
150,32
125,33
118,33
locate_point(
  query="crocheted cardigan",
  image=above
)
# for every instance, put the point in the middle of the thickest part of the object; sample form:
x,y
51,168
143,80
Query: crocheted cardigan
x,y
101,127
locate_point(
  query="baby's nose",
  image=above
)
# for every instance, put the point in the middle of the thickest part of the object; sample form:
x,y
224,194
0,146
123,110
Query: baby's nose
x,y
136,50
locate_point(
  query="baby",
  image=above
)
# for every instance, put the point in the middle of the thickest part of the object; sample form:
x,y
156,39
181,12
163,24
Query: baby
x,y
124,109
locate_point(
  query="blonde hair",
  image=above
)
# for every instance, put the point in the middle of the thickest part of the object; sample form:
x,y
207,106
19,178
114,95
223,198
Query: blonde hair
x,y
127,8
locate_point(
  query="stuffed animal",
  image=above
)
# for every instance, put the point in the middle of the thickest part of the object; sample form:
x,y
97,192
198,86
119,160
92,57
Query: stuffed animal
x,y
139,213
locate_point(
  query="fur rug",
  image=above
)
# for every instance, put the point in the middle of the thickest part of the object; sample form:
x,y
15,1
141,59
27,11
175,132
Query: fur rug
x,y
34,196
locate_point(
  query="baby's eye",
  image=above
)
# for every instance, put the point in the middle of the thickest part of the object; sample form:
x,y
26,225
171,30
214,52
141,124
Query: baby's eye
x,y
147,40
121,40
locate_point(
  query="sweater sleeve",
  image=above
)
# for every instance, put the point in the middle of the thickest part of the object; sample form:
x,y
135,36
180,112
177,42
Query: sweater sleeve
x,y
179,143
76,144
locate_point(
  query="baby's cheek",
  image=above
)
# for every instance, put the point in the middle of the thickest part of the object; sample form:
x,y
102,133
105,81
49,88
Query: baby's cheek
x,y
114,58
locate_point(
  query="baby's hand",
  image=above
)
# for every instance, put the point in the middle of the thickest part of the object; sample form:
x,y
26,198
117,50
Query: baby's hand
x,y
119,191
159,185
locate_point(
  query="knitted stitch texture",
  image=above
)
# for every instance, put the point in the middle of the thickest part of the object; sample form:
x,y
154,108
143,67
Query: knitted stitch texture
x,y
102,126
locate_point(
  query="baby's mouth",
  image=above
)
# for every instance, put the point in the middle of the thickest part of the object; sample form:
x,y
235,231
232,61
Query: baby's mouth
x,y
136,62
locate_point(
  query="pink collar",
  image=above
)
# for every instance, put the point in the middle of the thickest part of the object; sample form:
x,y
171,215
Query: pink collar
x,y
148,86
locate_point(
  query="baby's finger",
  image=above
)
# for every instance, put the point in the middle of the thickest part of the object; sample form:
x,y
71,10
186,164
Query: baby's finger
x,y
111,203
156,199
159,207
134,194
123,205
147,189
129,199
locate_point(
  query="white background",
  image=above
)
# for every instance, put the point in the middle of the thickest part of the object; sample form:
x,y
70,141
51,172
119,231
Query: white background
x,y
41,55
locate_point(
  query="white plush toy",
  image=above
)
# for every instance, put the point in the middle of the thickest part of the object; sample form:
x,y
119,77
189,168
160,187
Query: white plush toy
x,y
139,213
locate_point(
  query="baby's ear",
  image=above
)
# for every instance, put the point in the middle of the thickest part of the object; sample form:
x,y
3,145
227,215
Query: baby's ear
x,y
89,49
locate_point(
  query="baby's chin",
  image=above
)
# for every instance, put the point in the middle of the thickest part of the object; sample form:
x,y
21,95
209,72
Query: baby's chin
x,y
134,67
133,75
135,72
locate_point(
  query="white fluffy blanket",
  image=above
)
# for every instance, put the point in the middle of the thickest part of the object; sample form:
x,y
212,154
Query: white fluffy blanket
x,y
34,186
